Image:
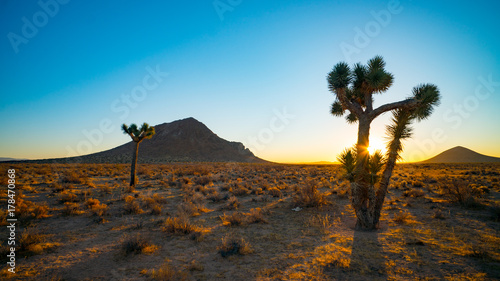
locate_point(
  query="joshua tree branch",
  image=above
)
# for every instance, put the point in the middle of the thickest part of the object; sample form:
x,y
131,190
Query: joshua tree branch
x,y
368,102
404,104
351,106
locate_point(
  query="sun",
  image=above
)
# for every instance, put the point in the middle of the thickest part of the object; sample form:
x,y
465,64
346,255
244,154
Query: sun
x,y
376,144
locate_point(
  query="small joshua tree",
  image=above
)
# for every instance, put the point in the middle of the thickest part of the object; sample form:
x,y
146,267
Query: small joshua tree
x,y
137,135
354,90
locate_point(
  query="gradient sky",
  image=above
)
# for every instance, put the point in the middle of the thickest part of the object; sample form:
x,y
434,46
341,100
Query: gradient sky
x,y
69,72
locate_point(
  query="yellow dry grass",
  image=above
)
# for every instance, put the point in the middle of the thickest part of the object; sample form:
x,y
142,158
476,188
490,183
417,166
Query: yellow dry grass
x,y
235,222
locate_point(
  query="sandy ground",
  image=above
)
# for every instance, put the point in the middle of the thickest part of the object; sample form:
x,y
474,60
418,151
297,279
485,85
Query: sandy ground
x,y
244,213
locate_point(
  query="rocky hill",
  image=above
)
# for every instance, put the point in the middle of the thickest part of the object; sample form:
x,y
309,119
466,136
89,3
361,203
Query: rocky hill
x,y
186,140
461,154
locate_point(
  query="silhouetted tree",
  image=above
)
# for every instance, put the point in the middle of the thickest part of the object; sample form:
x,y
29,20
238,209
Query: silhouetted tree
x,y
137,135
354,90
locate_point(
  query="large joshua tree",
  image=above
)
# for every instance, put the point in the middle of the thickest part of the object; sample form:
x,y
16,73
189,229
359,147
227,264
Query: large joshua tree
x,y
354,89
137,135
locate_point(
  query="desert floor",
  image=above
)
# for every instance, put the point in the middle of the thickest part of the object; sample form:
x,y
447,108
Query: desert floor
x,y
235,222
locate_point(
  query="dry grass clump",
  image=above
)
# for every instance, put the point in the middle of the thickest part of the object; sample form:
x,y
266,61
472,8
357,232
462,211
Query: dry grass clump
x,y
106,189
233,219
96,208
138,245
323,222
256,215
131,205
309,196
179,225
75,177
402,217
154,202
32,242
192,209
71,209
232,204
460,191
239,190
40,211
413,193
27,210
167,272
217,197
68,197
232,245
203,180
342,190
275,192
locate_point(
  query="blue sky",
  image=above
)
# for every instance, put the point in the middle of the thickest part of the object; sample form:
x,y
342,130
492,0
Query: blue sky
x,y
253,71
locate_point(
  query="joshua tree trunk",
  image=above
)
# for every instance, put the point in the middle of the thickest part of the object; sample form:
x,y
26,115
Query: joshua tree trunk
x,y
133,179
137,135
401,131
384,184
362,193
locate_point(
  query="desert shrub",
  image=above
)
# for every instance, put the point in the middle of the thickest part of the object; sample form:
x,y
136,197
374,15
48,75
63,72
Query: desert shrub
x,y
192,209
131,205
342,190
275,192
257,191
68,197
105,188
460,191
255,215
233,246
438,214
74,177
40,211
217,197
417,184
99,209
70,209
309,196
91,202
138,245
30,240
413,193
154,203
57,187
323,222
179,225
168,273
203,180
156,209
233,219
96,208
239,190
232,203
401,217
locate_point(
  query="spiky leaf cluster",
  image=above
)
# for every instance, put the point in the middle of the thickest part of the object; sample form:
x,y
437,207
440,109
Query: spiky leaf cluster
x,y
348,160
358,84
375,164
138,134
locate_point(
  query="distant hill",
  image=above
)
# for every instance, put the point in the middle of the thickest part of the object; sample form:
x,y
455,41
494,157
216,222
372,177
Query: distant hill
x,y
3,159
186,140
461,154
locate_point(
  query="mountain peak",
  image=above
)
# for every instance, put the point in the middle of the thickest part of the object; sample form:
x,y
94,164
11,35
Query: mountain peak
x,y
460,154
183,140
